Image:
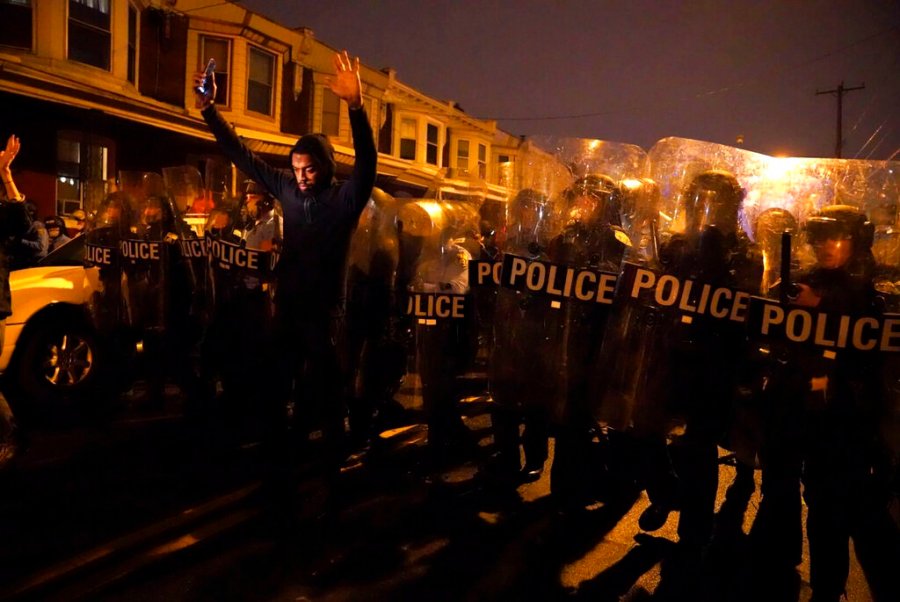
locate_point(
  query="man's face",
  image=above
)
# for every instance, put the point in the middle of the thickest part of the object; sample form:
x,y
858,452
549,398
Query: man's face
x,y
152,213
305,170
833,253
251,206
112,212
582,209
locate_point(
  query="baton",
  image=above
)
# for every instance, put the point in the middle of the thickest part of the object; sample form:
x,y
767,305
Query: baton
x,y
785,267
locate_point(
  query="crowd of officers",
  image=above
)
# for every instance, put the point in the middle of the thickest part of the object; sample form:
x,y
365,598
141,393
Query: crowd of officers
x,y
633,392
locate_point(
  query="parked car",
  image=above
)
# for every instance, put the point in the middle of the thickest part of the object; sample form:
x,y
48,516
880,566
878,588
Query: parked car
x,y
51,353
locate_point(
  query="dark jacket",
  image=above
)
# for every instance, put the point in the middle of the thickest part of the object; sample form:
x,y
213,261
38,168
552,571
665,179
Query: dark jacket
x,y
318,225
14,222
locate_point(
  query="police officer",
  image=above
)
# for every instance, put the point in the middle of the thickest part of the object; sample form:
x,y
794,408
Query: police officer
x,y
374,366
242,335
843,404
444,347
775,405
523,374
108,220
629,375
592,237
160,287
706,353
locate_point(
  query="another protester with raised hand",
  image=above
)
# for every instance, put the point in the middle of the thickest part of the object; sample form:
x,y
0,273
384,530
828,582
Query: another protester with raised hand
x,y
14,222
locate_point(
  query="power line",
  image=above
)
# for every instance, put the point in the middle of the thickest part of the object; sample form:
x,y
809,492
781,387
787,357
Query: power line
x,y
708,93
839,93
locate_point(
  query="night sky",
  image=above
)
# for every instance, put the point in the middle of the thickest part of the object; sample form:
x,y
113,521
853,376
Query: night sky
x,y
640,70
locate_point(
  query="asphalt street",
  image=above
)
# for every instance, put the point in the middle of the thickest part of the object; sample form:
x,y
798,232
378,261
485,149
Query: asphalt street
x,y
152,509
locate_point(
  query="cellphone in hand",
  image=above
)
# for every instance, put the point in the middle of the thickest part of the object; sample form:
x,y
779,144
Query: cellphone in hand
x,y
205,88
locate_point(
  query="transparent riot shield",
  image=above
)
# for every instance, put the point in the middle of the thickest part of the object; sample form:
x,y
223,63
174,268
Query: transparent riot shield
x,y
560,266
376,357
106,225
689,308
145,250
524,375
434,254
706,268
244,246
627,395
216,359
189,288
573,277
184,185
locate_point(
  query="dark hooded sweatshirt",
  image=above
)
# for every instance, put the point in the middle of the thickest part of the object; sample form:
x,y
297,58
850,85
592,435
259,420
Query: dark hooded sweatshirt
x,y
317,224
14,222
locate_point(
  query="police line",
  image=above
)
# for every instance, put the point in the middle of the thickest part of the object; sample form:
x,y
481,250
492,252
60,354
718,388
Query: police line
x,y
545,278
762,317
225,252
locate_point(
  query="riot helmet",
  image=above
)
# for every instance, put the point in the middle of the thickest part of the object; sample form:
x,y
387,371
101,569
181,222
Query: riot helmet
x,y
885,218
114,211
712,199
885,214
637,202
769,230
152,212
256,206
770,225
840,235
157,212
530,215
588,201
253,201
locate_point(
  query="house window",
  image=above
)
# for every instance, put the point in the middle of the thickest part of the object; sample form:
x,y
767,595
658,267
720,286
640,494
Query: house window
x,y
431,145
15,23
260,84
89,33
219,49
331,113
408,139
77,163
132,43
462,157
505,170
482,161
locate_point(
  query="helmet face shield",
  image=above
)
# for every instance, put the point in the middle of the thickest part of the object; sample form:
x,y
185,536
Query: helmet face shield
x,y
710,204
837,235
589,201
530,221
820,230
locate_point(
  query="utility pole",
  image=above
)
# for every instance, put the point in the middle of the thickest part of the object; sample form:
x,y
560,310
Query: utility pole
x,y
839,92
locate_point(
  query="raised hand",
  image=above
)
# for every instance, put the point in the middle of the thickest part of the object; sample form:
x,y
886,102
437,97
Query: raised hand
x,y
9,153
346,84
